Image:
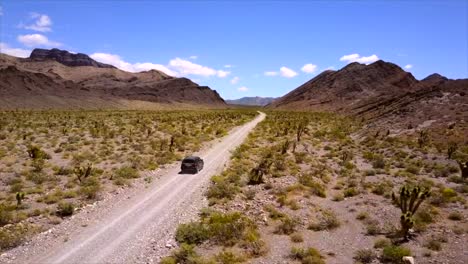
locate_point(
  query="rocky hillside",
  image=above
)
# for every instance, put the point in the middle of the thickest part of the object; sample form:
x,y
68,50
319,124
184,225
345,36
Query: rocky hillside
x,y
253,101
59,79
385,95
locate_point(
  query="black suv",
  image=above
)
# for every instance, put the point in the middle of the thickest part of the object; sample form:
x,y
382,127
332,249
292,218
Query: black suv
x,y
192,164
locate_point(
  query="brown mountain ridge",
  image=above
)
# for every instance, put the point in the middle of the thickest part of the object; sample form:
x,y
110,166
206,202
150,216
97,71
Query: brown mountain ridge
x,y
384,95
60,79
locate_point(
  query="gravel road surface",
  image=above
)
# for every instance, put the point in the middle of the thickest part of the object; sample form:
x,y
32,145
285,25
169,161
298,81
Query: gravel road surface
x,y
137,227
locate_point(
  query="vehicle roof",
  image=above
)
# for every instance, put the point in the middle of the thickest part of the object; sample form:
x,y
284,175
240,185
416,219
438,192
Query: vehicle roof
x,y
191,158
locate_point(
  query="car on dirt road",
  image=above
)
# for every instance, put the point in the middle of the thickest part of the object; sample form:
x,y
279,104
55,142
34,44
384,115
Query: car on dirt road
x,y
192,164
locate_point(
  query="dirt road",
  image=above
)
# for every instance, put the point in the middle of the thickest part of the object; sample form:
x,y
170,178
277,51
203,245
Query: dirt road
x,y
136,229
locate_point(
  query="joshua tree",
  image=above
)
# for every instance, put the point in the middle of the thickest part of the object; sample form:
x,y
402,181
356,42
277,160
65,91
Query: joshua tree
x,y
171,145
423,138
463,169
256,175
83,172
19,198
300,128
285,147
452,148
409,201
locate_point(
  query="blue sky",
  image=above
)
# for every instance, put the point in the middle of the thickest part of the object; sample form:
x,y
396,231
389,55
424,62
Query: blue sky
x,y
246,48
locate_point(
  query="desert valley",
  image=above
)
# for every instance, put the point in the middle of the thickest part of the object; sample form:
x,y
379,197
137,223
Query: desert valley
x,y
361,164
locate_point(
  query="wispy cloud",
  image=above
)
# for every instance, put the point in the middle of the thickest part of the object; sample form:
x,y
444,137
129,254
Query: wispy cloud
x,y
17,52
222,74
361,59
270,73
175,67
408,66
309,68
118,62
193,57
288,73
242,89
42,23
235,80
32,40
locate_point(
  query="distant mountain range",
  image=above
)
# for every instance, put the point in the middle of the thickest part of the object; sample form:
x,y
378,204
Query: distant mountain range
x,y
252,101
384,94
60,79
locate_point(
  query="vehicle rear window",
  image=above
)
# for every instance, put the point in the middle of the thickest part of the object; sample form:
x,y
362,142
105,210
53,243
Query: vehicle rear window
x,y
189,161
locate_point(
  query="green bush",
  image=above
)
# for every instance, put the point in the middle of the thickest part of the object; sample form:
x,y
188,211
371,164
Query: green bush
x,y
126,173
307,256
395,254
287,226
382,242
65,209
327,221
90,187
192,233
364,255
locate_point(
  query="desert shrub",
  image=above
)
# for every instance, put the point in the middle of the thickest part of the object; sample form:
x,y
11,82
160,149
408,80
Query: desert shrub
x,y
250,194
6,215
274,213
364,255
372,227
296,237
433,244
338,197
14,235
307,256
326,221
395,254
455,216
316,187
350,192
378,162
90,187
222,189
65,209
287,226
126,173
362,216
382,242
228,257
192,233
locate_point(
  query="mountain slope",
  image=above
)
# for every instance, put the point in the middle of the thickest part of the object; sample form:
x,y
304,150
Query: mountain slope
x,y
57,78
384,95
253,101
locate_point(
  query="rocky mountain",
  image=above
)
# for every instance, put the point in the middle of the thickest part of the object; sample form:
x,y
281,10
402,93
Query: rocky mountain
x,y
252,101
385,95
57,78
66,58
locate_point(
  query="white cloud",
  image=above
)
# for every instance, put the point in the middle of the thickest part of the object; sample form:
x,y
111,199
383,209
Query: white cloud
x,y
330,68
228,66
193,57
286,72
42,23
357,58
222,74
176,67
31,40
408,66
185,67
22,53
235,80
270,73
118,62
242,89
309,68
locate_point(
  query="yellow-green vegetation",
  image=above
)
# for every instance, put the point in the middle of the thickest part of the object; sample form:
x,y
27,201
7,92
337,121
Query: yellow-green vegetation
x,y
303,172
52,162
